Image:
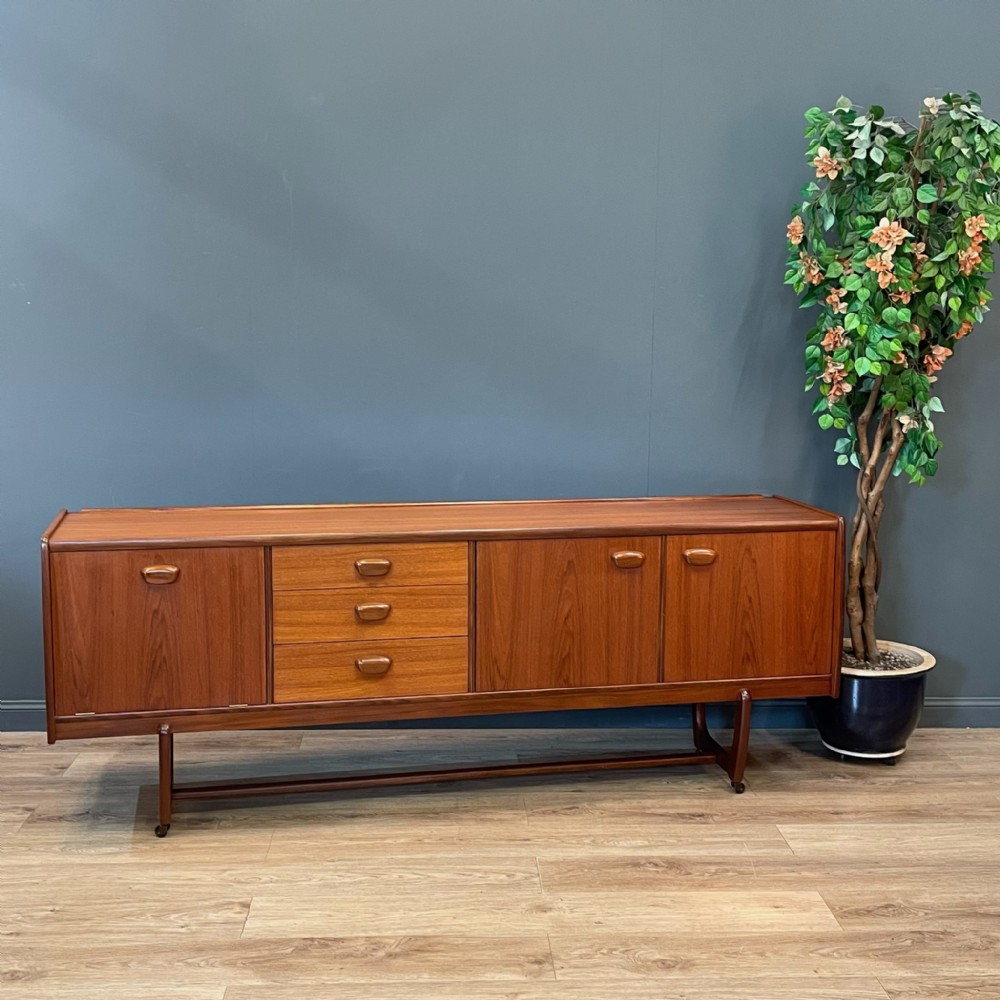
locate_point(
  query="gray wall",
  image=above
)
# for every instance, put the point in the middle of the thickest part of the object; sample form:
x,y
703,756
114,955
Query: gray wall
x,y
294,251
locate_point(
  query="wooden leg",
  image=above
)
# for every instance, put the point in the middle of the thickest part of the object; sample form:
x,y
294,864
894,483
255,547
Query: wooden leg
x,y
741,743
166,779
733,759
699,727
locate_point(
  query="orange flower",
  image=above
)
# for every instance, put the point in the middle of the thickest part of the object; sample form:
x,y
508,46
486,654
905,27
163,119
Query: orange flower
x,y
934,359
835,338
969,260
796,230
809,268
975,225
826,165
833,372
964,330
837,390
899,358
900,296
907,421
918,253
881,263
916,329
847,264
833,299
888,235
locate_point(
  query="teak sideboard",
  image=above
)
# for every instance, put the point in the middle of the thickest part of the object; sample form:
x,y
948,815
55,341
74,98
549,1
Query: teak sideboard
x,y
179,620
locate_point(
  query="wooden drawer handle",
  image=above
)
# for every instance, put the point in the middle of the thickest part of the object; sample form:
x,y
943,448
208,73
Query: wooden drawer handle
x,y
160,574
700,557
628,559
372,666
372,612
373,567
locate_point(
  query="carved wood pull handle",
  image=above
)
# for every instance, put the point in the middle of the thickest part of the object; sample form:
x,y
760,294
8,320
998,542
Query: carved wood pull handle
x,y
160,574
628,559
700,557
372,612
373,567
372,666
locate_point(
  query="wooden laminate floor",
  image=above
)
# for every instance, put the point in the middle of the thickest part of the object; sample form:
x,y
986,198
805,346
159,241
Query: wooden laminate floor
x,y
825,881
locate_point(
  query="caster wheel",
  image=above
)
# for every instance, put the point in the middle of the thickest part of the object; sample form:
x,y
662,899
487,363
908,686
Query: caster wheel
x,y
843,757
890,762
161,829
739,787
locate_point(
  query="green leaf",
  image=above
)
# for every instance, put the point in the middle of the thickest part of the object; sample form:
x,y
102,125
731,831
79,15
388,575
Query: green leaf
x,y
935,405
843,459
923,216
852,283
835,270
876,154
862,366
926,194
843,104
825,421
950,248
851,321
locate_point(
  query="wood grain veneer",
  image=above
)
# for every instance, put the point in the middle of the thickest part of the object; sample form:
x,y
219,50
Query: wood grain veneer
x,y
197,526
560,613
123,645
410,564
331,615
764,607
328,671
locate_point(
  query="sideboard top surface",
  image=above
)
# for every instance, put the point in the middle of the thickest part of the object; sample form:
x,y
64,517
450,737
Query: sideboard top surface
x,y
171,527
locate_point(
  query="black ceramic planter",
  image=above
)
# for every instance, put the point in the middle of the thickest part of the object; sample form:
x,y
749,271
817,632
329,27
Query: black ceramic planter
x,y
877,711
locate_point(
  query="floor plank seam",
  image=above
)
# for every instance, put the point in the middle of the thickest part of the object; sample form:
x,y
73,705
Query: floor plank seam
x,y
888,995
832,912
781,833
552,958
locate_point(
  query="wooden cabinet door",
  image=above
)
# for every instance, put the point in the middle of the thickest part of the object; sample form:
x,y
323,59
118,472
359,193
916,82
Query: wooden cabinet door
x,y
124,644
561,613
759,604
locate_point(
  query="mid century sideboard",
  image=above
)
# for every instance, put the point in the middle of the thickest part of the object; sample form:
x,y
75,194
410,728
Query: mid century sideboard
x,y
179,620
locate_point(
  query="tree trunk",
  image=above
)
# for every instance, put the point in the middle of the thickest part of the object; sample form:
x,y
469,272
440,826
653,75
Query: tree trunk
x,y
864,566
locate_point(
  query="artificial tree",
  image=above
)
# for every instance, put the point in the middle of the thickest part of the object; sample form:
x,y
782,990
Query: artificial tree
x,y
893,243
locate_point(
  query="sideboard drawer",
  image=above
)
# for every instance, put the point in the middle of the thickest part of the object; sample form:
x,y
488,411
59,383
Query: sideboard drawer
x,y
360,613
390,668
323,567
